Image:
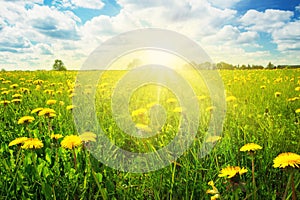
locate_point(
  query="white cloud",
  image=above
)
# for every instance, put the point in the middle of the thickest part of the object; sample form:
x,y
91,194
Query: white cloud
x,y
297,8
224,4
288,37
93,4
267,21
52,23
232,36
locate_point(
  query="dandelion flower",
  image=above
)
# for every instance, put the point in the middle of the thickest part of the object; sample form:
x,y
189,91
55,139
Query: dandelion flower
x,y
263,87
210,108
16,100
32,143
231,171
214,191
51,92
284,160
51,102
47,112
297,89
36,110
5,92
212,139
139,112
70,107
230,98
18,141
24,90
143,127
25,119
178,110
171,100
4,102
56,136
88,137
297,111
250,147
17,96
277,94
14,86
71,141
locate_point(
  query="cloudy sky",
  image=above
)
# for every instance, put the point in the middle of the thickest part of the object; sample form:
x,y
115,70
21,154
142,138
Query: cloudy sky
x,y
35,33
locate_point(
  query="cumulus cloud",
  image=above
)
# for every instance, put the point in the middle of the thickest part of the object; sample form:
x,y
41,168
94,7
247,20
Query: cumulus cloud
x,y
288,37
53,23
224,4
91,4
266,21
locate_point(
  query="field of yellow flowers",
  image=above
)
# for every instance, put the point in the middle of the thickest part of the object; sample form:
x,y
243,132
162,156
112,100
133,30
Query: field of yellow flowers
x,y
42,156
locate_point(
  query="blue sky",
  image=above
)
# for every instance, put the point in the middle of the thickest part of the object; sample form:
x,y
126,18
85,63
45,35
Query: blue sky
x,y
35,33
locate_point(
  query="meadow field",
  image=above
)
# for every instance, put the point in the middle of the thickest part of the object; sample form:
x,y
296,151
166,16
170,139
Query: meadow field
x,y
44,156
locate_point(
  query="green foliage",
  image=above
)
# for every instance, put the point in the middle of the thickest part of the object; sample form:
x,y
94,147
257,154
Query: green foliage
x,y
59,65
256,115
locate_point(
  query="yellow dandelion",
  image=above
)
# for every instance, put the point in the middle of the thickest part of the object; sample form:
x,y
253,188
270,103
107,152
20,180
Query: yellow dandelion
x,y
17,96
61,103
202,97
13,86
51,102
18,141
72,95
36,110
297,89
4,102
212,139
71,141
178,110
16,100
143,127
297,111
210,108
51,92
139,112
250,147
56,136
293,99
5,92
88,137
213,191
277,94
38,82
58,92
47,112
70,107
171,100
32,143
25,119
284,160
24,90
263,87
231,98
231,171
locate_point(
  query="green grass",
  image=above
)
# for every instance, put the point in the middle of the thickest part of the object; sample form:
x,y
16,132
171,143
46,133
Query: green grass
x,y
256,115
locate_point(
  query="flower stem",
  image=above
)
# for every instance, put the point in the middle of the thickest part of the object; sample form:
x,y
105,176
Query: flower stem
x,y
253,180
288,185
74,154
294,197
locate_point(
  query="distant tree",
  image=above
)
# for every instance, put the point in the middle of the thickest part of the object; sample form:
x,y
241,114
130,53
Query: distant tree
x,y
270,66
3,70
59,65
223,65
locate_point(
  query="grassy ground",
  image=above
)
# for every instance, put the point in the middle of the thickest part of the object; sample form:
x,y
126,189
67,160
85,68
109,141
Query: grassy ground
x,y
261,108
